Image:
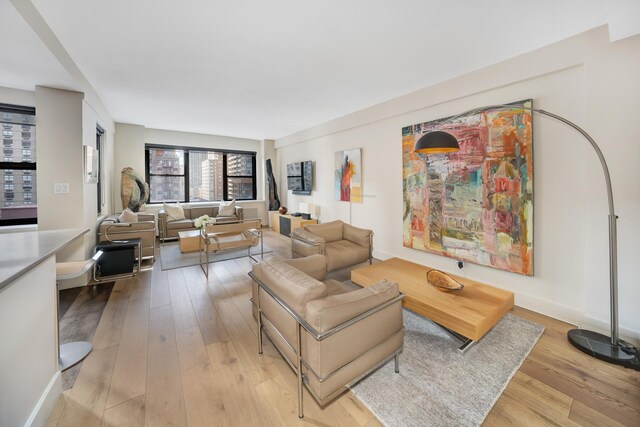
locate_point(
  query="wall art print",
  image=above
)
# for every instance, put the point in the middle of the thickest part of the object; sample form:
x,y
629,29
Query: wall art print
x,y
348,176
475,204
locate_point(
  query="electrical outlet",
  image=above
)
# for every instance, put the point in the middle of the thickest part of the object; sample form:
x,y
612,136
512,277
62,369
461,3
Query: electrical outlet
x,y
60,187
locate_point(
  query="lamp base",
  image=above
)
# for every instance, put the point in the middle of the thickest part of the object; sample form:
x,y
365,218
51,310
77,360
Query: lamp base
x,y
600,347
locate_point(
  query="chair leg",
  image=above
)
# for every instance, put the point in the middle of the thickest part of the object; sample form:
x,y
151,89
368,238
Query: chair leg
x,y
396,359
299,351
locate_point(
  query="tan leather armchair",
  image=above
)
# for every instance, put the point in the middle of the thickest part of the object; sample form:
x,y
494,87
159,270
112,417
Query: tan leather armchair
x,y
168,229
145,229
344,245
331,336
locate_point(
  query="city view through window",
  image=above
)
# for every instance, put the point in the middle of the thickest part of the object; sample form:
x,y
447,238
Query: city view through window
x,y
171,169
18,168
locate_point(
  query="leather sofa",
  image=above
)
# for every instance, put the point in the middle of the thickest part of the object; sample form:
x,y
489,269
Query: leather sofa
x,y
330,334
344,245
110,229
169,229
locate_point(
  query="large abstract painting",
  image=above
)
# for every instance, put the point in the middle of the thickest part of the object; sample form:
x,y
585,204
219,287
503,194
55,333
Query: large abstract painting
x,y
348,176
475,204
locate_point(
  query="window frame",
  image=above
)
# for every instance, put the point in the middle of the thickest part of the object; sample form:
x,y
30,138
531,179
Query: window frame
x,y
186,150
99,145
23,165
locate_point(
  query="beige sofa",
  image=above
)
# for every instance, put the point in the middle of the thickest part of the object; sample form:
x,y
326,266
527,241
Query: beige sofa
x,y
330,334
344,245
110,229
169,229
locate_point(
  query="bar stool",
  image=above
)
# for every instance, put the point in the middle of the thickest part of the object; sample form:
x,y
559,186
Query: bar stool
x,y
71,353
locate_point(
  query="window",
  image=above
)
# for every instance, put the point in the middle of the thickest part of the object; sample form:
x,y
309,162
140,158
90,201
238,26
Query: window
x,y
18,166
180,174
99,144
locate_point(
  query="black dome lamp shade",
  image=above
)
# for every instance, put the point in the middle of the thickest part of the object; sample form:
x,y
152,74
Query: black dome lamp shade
x,y
437,142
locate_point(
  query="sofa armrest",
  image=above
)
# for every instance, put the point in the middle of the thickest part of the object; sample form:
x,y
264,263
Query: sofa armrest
x,y
304,243
143,217
359,236
313,265
330,312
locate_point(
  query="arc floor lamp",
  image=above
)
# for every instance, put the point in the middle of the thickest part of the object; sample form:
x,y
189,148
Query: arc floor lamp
x,y
610,349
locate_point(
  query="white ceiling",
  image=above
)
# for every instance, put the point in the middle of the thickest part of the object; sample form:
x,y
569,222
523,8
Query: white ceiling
x,y
266,69
24,59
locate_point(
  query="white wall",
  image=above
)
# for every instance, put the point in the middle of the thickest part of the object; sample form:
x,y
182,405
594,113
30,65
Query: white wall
x,y
29,379
59,160
131,139
586,79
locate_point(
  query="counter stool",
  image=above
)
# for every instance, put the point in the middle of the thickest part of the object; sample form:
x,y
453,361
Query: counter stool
x,y
71,353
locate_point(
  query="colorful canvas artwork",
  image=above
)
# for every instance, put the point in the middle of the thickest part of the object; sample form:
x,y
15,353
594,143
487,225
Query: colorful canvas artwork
x,y
348,176
475,204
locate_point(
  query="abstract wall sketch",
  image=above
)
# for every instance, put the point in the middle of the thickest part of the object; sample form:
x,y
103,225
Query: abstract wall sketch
x,y
475,204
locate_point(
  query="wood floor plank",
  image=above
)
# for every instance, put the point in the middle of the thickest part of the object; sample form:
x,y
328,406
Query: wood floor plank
x,y
241,403
203,398
183,315
126,414
111,323
86,401
160,290
164,397
587,416
567,384
544,402
130,372
208,319
202,366
55,415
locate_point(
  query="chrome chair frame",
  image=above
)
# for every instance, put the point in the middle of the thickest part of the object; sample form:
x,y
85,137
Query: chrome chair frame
x,y
318,336
204,245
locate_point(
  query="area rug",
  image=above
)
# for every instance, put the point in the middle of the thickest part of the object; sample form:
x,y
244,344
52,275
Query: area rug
x,y
171,257
438,386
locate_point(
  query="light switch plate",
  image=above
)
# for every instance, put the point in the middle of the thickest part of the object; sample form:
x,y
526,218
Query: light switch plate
x,y
60,187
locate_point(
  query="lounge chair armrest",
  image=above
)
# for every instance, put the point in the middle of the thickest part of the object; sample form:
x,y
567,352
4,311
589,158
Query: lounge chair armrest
x,y
313,265
359,236
307,237
338,311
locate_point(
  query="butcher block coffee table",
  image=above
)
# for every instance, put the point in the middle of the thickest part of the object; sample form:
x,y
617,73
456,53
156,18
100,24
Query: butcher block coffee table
x,y
467,314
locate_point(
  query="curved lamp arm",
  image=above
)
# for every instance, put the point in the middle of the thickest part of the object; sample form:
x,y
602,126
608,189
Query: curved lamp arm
x,y
613,239
595,146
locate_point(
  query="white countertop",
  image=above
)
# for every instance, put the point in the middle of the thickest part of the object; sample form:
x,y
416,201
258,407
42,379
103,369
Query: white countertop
x,y
20,252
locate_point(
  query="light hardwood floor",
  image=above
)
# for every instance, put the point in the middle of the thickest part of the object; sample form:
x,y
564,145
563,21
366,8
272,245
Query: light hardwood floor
x,y
175,349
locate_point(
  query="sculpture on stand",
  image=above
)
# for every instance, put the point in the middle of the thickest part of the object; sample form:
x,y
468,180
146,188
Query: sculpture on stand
x,y
134,191
274,202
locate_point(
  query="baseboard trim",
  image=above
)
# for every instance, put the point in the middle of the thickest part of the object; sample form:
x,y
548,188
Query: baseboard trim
x,y
46,403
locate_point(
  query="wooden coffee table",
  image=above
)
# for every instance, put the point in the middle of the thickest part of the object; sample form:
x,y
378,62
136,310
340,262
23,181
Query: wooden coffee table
x,y
189,241
467,314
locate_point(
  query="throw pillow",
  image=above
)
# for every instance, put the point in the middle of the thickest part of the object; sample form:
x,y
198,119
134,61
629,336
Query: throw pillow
x,y
174,212
128,215
227,209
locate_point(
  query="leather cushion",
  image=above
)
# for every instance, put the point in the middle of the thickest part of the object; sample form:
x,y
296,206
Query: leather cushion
x,y
221,218
180,224
293,286
204,210
335,287
329,231
313,265
344,253
325,313
357,235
